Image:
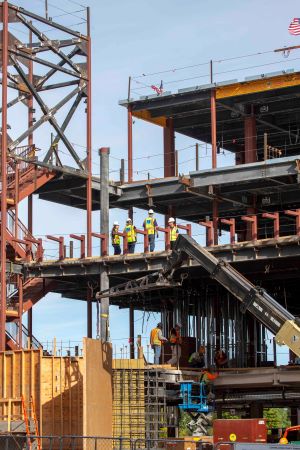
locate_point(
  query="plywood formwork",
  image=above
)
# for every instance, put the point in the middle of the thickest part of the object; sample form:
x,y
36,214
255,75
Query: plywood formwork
x,y
72,395
20,376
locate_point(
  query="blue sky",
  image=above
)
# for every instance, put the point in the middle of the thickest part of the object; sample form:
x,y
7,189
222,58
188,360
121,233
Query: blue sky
x,y
139,37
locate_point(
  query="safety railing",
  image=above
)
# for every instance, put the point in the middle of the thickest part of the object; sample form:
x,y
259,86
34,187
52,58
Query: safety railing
x,y
25,154
245,228
12,330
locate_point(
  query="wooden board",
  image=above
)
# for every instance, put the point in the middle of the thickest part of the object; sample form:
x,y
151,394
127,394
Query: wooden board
x,y
62,395
19,377
97,393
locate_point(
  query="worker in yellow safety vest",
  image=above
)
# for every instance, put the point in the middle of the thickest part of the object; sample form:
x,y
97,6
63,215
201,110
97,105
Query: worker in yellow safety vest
x,y
115,238
156,341
150,225
130,231
173,232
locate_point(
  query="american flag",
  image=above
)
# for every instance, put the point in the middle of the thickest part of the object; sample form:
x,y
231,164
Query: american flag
x,y
294,27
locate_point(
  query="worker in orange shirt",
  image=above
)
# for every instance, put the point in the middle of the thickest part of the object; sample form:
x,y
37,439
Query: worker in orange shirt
x,y
156,341
175,341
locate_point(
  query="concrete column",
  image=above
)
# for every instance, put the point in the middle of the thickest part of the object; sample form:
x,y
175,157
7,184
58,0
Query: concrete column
x,y
104,229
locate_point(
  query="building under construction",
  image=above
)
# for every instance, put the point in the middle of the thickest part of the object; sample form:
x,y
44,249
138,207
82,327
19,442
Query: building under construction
x,y
239,296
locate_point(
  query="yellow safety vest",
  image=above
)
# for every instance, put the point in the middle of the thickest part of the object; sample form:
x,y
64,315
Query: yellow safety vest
x,y
173,234
154,337
115,238
149,225
131,234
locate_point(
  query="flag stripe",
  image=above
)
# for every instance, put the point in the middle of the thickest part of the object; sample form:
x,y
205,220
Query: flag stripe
x,y
294,27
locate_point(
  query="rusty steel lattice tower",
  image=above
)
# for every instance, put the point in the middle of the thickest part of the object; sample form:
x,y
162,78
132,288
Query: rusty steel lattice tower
x,y
54,61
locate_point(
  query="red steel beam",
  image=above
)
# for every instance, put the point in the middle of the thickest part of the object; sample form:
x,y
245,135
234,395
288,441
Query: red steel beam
x,y
253,223
146,239
169,149
20,290
104,242
60,240
167,236
275,218
208,224
80,238
3,174
231,223
297,215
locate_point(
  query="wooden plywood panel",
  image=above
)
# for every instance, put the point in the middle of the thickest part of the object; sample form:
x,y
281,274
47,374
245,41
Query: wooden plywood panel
x,y
97,394
20,377
62,395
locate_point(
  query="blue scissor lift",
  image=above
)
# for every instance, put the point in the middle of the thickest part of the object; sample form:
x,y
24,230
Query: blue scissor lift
x,y
196,403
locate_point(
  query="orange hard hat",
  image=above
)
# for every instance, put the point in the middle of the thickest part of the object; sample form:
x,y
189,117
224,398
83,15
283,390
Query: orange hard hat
x,y
283,440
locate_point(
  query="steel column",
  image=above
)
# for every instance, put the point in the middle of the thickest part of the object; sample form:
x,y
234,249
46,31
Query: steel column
x,y
169,149
89,141
169,158
129,149
250,139
104,230
4,173
89,304
30,197
20,313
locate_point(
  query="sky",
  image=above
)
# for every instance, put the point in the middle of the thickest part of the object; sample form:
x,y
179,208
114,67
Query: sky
x,y
135,37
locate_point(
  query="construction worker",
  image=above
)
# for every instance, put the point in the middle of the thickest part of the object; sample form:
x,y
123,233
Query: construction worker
x,y
156,341
173,232
175,341
150,225
197,359
130,231
115,238
221,359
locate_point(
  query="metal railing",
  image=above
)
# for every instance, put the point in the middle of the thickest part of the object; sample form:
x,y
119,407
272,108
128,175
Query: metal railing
x,y
12,331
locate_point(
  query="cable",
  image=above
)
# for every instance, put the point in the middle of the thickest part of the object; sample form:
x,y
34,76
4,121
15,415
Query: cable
x,y
217,73
201,64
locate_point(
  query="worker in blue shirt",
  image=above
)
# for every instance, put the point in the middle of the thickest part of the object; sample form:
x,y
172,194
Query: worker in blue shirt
x,y
150,225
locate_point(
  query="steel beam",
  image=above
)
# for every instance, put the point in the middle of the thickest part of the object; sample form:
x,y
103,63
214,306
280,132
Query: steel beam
x,y
104,229
41,19
252,252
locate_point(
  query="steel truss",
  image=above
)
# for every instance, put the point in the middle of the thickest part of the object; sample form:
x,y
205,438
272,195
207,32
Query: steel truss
x,y
34,68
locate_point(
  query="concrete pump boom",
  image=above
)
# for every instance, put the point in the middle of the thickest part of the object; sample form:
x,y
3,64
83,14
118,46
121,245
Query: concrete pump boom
x,y
256,300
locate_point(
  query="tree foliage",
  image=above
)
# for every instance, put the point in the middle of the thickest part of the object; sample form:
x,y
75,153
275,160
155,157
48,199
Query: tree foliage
x,y
277,417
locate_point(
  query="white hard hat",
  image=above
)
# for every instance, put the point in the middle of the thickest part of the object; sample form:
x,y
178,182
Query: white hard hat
x,y
151,211
171,219
128,220
116,222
